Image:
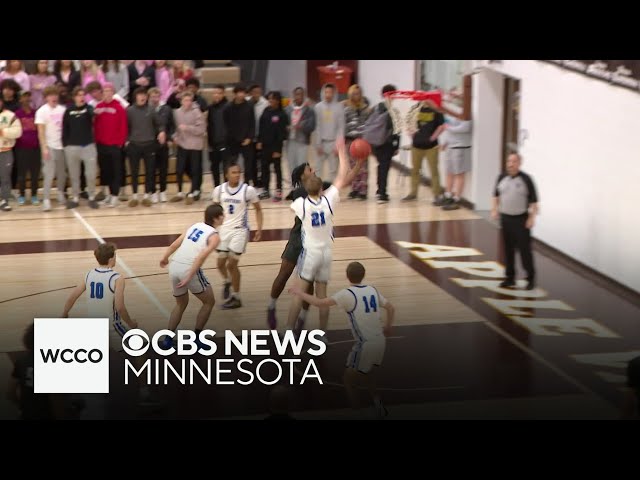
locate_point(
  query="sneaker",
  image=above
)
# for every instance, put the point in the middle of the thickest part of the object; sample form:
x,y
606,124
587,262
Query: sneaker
x,y
154,197
21,201
353,195
100,196
107,200
177,198
34,201
271,318
531,284
362,196
61,198
122,196
383,199
450,204
278,196
4,206
84,195
201,346
508,283
232,303
46,205
94,204
72,203
438,201
409,198
196,195
114,202
134,201
146,201
264,195
163,197
189,199
448,201
226,292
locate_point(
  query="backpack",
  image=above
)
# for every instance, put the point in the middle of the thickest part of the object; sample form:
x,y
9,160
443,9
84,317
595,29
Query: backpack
x,y
376,129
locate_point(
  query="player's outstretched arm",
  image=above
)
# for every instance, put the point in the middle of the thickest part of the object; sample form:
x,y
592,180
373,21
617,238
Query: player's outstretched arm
x,y
259,218
172,248
73,298
345,176
212,244
120,306
311,300
391,312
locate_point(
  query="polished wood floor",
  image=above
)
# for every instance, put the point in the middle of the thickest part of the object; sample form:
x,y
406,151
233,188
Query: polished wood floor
x,y
452,351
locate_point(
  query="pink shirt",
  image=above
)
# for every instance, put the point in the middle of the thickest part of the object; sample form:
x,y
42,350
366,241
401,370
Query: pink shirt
x,y
164,81
88,78
21,78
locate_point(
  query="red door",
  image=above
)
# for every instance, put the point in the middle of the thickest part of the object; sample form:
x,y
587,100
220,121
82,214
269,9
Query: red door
x,y
313,80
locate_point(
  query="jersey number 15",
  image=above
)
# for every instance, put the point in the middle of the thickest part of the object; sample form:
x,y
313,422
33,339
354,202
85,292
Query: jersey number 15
x,y
195,235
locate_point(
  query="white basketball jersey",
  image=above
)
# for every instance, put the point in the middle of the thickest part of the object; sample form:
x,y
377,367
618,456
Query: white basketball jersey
x,y
101,294
235,203
363,304
317,218
194,242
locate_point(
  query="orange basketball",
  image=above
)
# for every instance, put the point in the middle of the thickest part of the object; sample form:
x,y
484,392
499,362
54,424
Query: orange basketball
x,y
360,149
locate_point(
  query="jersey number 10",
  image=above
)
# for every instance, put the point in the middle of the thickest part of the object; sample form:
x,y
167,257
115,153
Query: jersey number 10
x,y
195,235
317,219
97,290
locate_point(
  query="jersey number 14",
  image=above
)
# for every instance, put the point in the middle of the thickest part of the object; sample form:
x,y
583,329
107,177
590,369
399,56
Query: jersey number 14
x,y
370,305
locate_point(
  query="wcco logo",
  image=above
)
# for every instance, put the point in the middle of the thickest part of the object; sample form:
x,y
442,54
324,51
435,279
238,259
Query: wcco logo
x,y
72,355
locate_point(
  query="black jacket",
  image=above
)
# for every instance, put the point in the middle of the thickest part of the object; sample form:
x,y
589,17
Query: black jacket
x,y
240,121
149,72
216,129
273,128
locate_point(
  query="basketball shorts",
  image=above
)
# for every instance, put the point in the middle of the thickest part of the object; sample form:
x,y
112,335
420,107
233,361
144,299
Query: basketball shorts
x,y
365,355
233,240
315,265
197,284
293,249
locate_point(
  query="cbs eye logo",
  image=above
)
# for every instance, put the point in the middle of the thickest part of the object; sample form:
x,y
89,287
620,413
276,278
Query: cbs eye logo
x,y
135,342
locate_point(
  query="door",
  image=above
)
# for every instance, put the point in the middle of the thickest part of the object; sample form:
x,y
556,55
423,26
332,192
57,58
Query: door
x,y
511,130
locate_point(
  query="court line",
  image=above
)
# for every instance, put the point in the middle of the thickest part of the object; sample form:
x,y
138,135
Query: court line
x,y
541,359
125,267
164,273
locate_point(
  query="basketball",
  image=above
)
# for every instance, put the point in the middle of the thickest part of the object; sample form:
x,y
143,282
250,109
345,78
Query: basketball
x,y
360,149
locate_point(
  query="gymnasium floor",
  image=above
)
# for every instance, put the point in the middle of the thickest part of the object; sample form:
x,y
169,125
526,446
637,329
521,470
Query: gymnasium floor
x,y
459,349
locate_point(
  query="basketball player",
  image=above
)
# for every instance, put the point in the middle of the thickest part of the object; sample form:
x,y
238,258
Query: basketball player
x,y
105,299
293,249
362,304
235,198
191,251
316,214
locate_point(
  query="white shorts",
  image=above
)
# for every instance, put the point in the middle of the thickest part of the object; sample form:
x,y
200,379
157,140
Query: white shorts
x,y
233,240
177,271
116,332
315,265
366,355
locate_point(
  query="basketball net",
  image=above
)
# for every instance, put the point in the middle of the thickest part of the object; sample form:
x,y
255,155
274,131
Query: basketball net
x,y
403,106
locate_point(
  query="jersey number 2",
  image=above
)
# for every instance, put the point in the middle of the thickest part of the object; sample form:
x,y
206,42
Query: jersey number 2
x,y
370,305
195,235
317,219
97,290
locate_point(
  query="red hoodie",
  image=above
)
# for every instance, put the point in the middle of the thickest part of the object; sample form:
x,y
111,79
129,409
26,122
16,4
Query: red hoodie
x,y
110,123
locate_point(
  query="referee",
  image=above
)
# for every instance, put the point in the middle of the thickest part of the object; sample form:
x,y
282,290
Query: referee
x,y
516,199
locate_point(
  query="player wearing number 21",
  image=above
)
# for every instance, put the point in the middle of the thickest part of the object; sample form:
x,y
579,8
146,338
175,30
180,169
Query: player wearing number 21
x,y
316,213
235,198
105,295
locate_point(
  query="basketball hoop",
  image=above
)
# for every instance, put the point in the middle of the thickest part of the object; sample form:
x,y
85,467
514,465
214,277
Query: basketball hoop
x,y
402,103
